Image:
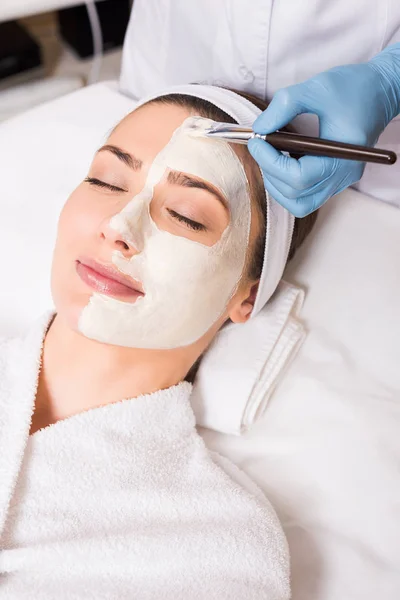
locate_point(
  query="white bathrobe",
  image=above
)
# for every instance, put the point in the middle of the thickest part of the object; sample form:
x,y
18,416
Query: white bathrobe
x,y
125,501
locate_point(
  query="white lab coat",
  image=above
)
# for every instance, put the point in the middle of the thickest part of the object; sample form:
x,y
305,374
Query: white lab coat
x,y
125,501
261,46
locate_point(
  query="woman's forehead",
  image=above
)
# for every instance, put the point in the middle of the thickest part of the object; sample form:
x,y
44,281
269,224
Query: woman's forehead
x,y
148,129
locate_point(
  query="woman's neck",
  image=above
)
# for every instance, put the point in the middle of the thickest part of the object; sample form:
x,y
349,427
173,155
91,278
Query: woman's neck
x,y
79,374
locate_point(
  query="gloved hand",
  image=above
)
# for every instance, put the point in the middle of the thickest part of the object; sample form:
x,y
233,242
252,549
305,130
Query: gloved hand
x,y
354,104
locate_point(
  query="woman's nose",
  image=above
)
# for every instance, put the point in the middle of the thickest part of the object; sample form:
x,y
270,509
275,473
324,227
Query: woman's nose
x,y
117,241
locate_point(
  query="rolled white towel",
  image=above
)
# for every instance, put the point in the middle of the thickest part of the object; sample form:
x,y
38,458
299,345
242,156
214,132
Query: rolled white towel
x,y
240,370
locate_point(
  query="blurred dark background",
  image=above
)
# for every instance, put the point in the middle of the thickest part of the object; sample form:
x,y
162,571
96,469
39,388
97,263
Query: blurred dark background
x,y
44,55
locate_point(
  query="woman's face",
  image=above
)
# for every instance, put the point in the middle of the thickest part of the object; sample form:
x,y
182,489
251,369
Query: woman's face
x,y
152,246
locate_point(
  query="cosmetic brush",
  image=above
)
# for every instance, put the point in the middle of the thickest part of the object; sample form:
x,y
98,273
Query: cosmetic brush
x,y
300,144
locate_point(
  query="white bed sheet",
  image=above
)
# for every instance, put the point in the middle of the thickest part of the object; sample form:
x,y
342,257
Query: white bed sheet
x,y
327,451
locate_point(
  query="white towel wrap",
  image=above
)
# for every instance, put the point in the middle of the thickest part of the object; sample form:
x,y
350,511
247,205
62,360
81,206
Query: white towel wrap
x,y
242,367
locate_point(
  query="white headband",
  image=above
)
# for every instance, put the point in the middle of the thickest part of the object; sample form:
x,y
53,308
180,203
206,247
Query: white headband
x,y
279,221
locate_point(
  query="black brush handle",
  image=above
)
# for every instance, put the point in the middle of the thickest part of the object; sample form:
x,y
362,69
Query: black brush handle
x,y
302,144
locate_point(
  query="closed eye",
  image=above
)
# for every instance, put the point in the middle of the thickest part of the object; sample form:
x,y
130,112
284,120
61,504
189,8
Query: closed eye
x,y
189,222
103,184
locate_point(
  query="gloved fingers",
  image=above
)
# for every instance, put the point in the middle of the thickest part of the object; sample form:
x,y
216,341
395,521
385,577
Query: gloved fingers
x,y
341,175
349,173
299,174
285,191
309,201
299,207
272,162
289,203
332,129
285,105
301,204
288,192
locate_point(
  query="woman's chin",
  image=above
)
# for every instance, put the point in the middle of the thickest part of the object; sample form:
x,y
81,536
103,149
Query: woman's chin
x,y
70,313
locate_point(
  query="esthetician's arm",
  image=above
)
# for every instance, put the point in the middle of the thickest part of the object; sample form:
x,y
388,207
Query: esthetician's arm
x,y
354,104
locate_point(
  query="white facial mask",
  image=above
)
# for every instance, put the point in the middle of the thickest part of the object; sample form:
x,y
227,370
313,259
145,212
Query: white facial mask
x,y
187,285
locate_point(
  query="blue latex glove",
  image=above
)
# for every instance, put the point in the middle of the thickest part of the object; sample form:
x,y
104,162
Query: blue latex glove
x,y
354,104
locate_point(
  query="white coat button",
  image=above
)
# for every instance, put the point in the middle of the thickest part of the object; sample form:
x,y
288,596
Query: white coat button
x,y
246,74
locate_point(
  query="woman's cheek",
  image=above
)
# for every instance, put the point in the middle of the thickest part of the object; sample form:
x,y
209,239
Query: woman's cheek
x,y
80,213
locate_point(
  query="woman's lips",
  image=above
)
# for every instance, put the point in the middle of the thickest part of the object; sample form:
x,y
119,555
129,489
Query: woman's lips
x,y
107,280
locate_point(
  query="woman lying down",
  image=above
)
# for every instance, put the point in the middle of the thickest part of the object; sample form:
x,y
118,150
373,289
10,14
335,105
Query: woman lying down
x,y
107,491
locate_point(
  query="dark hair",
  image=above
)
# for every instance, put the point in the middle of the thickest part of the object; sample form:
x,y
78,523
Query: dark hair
x,y
302,227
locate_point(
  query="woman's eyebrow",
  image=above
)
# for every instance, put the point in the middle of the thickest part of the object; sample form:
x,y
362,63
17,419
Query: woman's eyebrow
x,y
131,161
178,178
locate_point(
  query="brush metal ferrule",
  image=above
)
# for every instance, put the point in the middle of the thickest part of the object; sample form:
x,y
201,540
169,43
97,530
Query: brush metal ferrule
x,y
231,133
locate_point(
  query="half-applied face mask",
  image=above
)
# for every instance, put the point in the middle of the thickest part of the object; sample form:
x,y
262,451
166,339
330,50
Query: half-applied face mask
x,y
187,285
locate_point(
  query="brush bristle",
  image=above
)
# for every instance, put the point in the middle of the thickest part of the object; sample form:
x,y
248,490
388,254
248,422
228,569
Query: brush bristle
x,y
200,127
